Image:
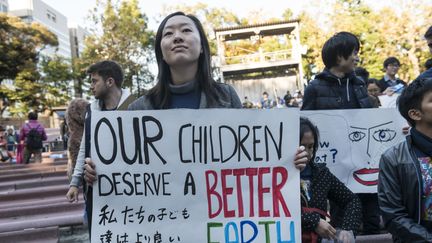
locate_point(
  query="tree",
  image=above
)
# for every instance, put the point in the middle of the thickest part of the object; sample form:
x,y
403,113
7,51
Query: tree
x,y
312,39
55,81
20,45
121,34
210,17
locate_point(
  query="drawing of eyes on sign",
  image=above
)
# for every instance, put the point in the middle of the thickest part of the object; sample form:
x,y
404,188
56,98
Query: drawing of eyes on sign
x,y
216,175
352,142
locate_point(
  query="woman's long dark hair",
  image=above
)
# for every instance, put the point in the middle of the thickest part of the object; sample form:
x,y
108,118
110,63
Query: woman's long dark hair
x,y
159,94
307,126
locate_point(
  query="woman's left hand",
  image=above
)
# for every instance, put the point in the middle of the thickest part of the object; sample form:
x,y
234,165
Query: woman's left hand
x,y
345,236
301,158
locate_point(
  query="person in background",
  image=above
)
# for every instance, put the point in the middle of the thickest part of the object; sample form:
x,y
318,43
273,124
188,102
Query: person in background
x,y
75,117
12,141
317,186
106,85
31,135
287,98
374,91
390,79
428,64
247,104
428,38
265,101
337,87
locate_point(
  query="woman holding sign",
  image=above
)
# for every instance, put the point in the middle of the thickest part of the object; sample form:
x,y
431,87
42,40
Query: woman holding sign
x,y
317,185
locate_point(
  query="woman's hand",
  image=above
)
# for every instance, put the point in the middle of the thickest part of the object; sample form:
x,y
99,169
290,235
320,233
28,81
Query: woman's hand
x,y
301,158
72,194
89,172
325,230
345,236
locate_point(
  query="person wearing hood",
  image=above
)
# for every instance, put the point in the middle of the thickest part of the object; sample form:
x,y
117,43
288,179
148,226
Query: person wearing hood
x,y
338,87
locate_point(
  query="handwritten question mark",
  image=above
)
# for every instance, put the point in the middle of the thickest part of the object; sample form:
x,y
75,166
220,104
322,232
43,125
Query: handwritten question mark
x,y
334,151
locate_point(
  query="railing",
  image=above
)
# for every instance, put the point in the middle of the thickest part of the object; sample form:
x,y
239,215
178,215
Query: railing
x,y
259,57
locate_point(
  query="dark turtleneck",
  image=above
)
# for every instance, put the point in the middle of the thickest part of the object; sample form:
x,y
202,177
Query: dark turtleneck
x,y
187,95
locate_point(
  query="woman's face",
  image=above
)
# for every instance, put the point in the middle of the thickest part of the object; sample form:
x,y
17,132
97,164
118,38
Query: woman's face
x,y
308,142
181,42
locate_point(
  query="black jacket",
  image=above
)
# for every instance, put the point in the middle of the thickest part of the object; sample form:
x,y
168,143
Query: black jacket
x,y
330,92
382,84
324,185
400,192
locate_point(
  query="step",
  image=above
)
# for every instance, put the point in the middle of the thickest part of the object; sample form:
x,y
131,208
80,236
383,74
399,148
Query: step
x,y
32,175
39,201
45,235
38,209
42,221
31,183
34,193
27,170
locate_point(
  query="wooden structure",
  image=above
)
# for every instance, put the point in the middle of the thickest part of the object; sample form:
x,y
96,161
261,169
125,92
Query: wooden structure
x,y
251,74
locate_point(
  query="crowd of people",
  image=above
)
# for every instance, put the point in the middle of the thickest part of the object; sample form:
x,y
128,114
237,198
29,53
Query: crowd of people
x,y
20,147
182,51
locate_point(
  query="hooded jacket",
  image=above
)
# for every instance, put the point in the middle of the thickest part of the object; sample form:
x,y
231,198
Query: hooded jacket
x,y
327,92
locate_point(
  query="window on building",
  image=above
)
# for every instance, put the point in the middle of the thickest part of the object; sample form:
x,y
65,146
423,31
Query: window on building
x,y
4,8
51,16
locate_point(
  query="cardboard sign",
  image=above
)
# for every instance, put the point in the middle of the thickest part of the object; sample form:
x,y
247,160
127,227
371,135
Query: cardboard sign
x,y
213,175
352,141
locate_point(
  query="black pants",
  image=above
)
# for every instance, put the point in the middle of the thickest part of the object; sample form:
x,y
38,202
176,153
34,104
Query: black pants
x,y
89,207
371,213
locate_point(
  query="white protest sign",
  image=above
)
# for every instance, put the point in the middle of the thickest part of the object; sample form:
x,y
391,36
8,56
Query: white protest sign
x,y
388,101
352,141
213,175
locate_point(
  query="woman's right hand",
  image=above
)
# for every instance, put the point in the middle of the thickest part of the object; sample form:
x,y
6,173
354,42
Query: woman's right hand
x,y
72,194
89,172
301,158
325,230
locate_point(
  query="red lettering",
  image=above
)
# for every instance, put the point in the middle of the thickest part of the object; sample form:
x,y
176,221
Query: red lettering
x,y
238,173
261,191
225,192
251,172
277,195
211,191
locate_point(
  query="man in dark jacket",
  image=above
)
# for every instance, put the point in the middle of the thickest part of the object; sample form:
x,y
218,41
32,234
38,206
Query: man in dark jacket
x,y
428,37
391,67
405,178
337,87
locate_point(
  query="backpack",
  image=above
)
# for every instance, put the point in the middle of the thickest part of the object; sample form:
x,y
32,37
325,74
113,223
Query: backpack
x,y
34,139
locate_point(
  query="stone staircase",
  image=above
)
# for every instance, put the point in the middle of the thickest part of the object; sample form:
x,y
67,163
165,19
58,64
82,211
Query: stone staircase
x,y
34,209
33,205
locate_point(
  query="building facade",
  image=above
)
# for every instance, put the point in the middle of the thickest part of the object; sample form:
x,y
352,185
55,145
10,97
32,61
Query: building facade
x,y
253,69
4,6
39,12
77,36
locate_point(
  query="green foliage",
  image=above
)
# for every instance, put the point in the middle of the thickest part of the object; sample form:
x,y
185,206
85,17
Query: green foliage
x,y
120,33
55,81
210,17
20,44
